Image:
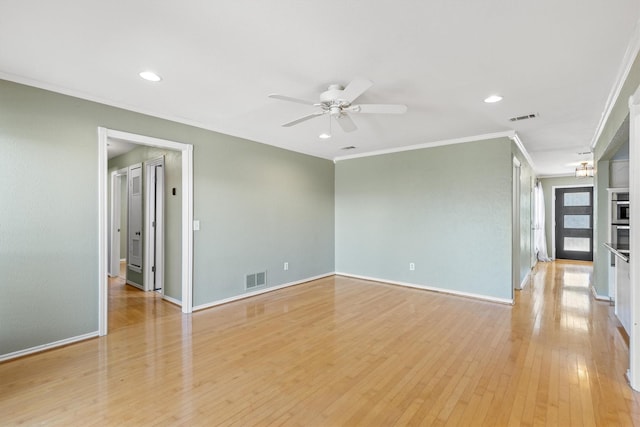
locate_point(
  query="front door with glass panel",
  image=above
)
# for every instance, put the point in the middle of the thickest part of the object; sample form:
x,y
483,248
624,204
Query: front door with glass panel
x,y
574,223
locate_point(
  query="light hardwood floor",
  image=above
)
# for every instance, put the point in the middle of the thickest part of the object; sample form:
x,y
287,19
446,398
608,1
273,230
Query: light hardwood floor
x,y
340,351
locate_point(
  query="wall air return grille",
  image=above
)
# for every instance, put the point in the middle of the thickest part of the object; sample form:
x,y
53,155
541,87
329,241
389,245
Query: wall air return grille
x,y
255,280
525,117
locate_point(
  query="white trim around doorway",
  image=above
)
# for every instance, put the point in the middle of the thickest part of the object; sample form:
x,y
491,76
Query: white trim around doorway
x,y
187,217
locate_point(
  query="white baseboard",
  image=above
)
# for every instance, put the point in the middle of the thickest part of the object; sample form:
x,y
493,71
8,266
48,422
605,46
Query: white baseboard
x,y
44,347
599,297
123,260
258,292
525,281
172,300
135,285
431,288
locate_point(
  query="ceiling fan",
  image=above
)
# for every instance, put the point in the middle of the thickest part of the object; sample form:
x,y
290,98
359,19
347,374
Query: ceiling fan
x,y
337,102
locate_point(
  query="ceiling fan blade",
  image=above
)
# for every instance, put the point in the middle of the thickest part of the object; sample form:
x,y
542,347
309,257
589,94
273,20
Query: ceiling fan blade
x,y
346,123
303,119
356,88
290,99
378,108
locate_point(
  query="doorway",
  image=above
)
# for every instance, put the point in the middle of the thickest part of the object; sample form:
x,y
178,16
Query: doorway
x,y
574,223
118,223
186,284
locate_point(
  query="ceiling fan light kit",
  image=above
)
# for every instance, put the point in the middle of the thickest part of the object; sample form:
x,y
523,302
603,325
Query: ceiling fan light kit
x,y
337,102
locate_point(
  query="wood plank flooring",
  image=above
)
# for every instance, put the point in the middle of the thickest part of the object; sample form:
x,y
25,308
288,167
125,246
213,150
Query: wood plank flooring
x,y
340,352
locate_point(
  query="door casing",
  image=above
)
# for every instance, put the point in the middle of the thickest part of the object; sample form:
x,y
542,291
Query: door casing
x,y
515,227
187,217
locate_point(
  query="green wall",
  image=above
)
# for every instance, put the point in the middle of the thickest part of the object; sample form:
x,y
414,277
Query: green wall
x,y
447,209
258,205
605,148
527,177
172,212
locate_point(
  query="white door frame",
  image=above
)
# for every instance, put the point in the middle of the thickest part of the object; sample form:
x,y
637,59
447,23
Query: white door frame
x,y
115,225
532,216
515,226
553,213
634,247
187,217
156,205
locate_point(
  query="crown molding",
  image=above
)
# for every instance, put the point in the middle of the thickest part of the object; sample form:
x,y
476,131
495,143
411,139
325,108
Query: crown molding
x,y
629,57
506,134
516,139
558,175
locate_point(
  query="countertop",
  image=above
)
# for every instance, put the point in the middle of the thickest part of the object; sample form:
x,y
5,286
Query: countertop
x,y
621,251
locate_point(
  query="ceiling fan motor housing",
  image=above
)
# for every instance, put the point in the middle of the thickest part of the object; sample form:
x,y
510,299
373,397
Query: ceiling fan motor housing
x,y
332,99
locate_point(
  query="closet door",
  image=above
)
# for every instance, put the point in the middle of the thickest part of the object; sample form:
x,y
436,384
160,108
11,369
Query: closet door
x,y
134,229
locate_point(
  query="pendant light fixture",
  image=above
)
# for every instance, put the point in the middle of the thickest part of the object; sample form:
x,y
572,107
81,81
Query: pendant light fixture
x,y
585,170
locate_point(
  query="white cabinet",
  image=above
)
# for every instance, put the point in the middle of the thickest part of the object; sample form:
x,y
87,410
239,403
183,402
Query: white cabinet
x,y
623,294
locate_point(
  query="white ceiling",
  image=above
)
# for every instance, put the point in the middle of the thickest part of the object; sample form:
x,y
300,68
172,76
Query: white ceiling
x,y
117,147
220,59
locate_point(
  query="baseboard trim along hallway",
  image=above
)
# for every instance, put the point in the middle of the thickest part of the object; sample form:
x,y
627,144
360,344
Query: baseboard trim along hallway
x,y
259,292
48,346
430,288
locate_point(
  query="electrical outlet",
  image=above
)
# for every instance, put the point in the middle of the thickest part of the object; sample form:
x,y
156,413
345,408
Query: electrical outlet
x,y
412,266
286,266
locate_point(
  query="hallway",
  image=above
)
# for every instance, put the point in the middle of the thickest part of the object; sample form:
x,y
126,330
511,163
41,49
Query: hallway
x,y
129,306
341,351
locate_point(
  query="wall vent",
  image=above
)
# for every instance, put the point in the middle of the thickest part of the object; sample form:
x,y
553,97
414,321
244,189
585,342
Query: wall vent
x,y
525,117
255,280
350,147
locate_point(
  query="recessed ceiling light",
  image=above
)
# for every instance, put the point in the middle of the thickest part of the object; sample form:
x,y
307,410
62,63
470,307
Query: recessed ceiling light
x,y
150,76
324,136
493,98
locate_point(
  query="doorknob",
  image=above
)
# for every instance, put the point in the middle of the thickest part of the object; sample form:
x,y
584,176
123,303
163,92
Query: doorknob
x,y
137,233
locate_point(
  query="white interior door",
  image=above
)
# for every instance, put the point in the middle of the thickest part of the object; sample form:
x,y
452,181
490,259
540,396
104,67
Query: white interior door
x,y
158,263
114,227
154,224
134,223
